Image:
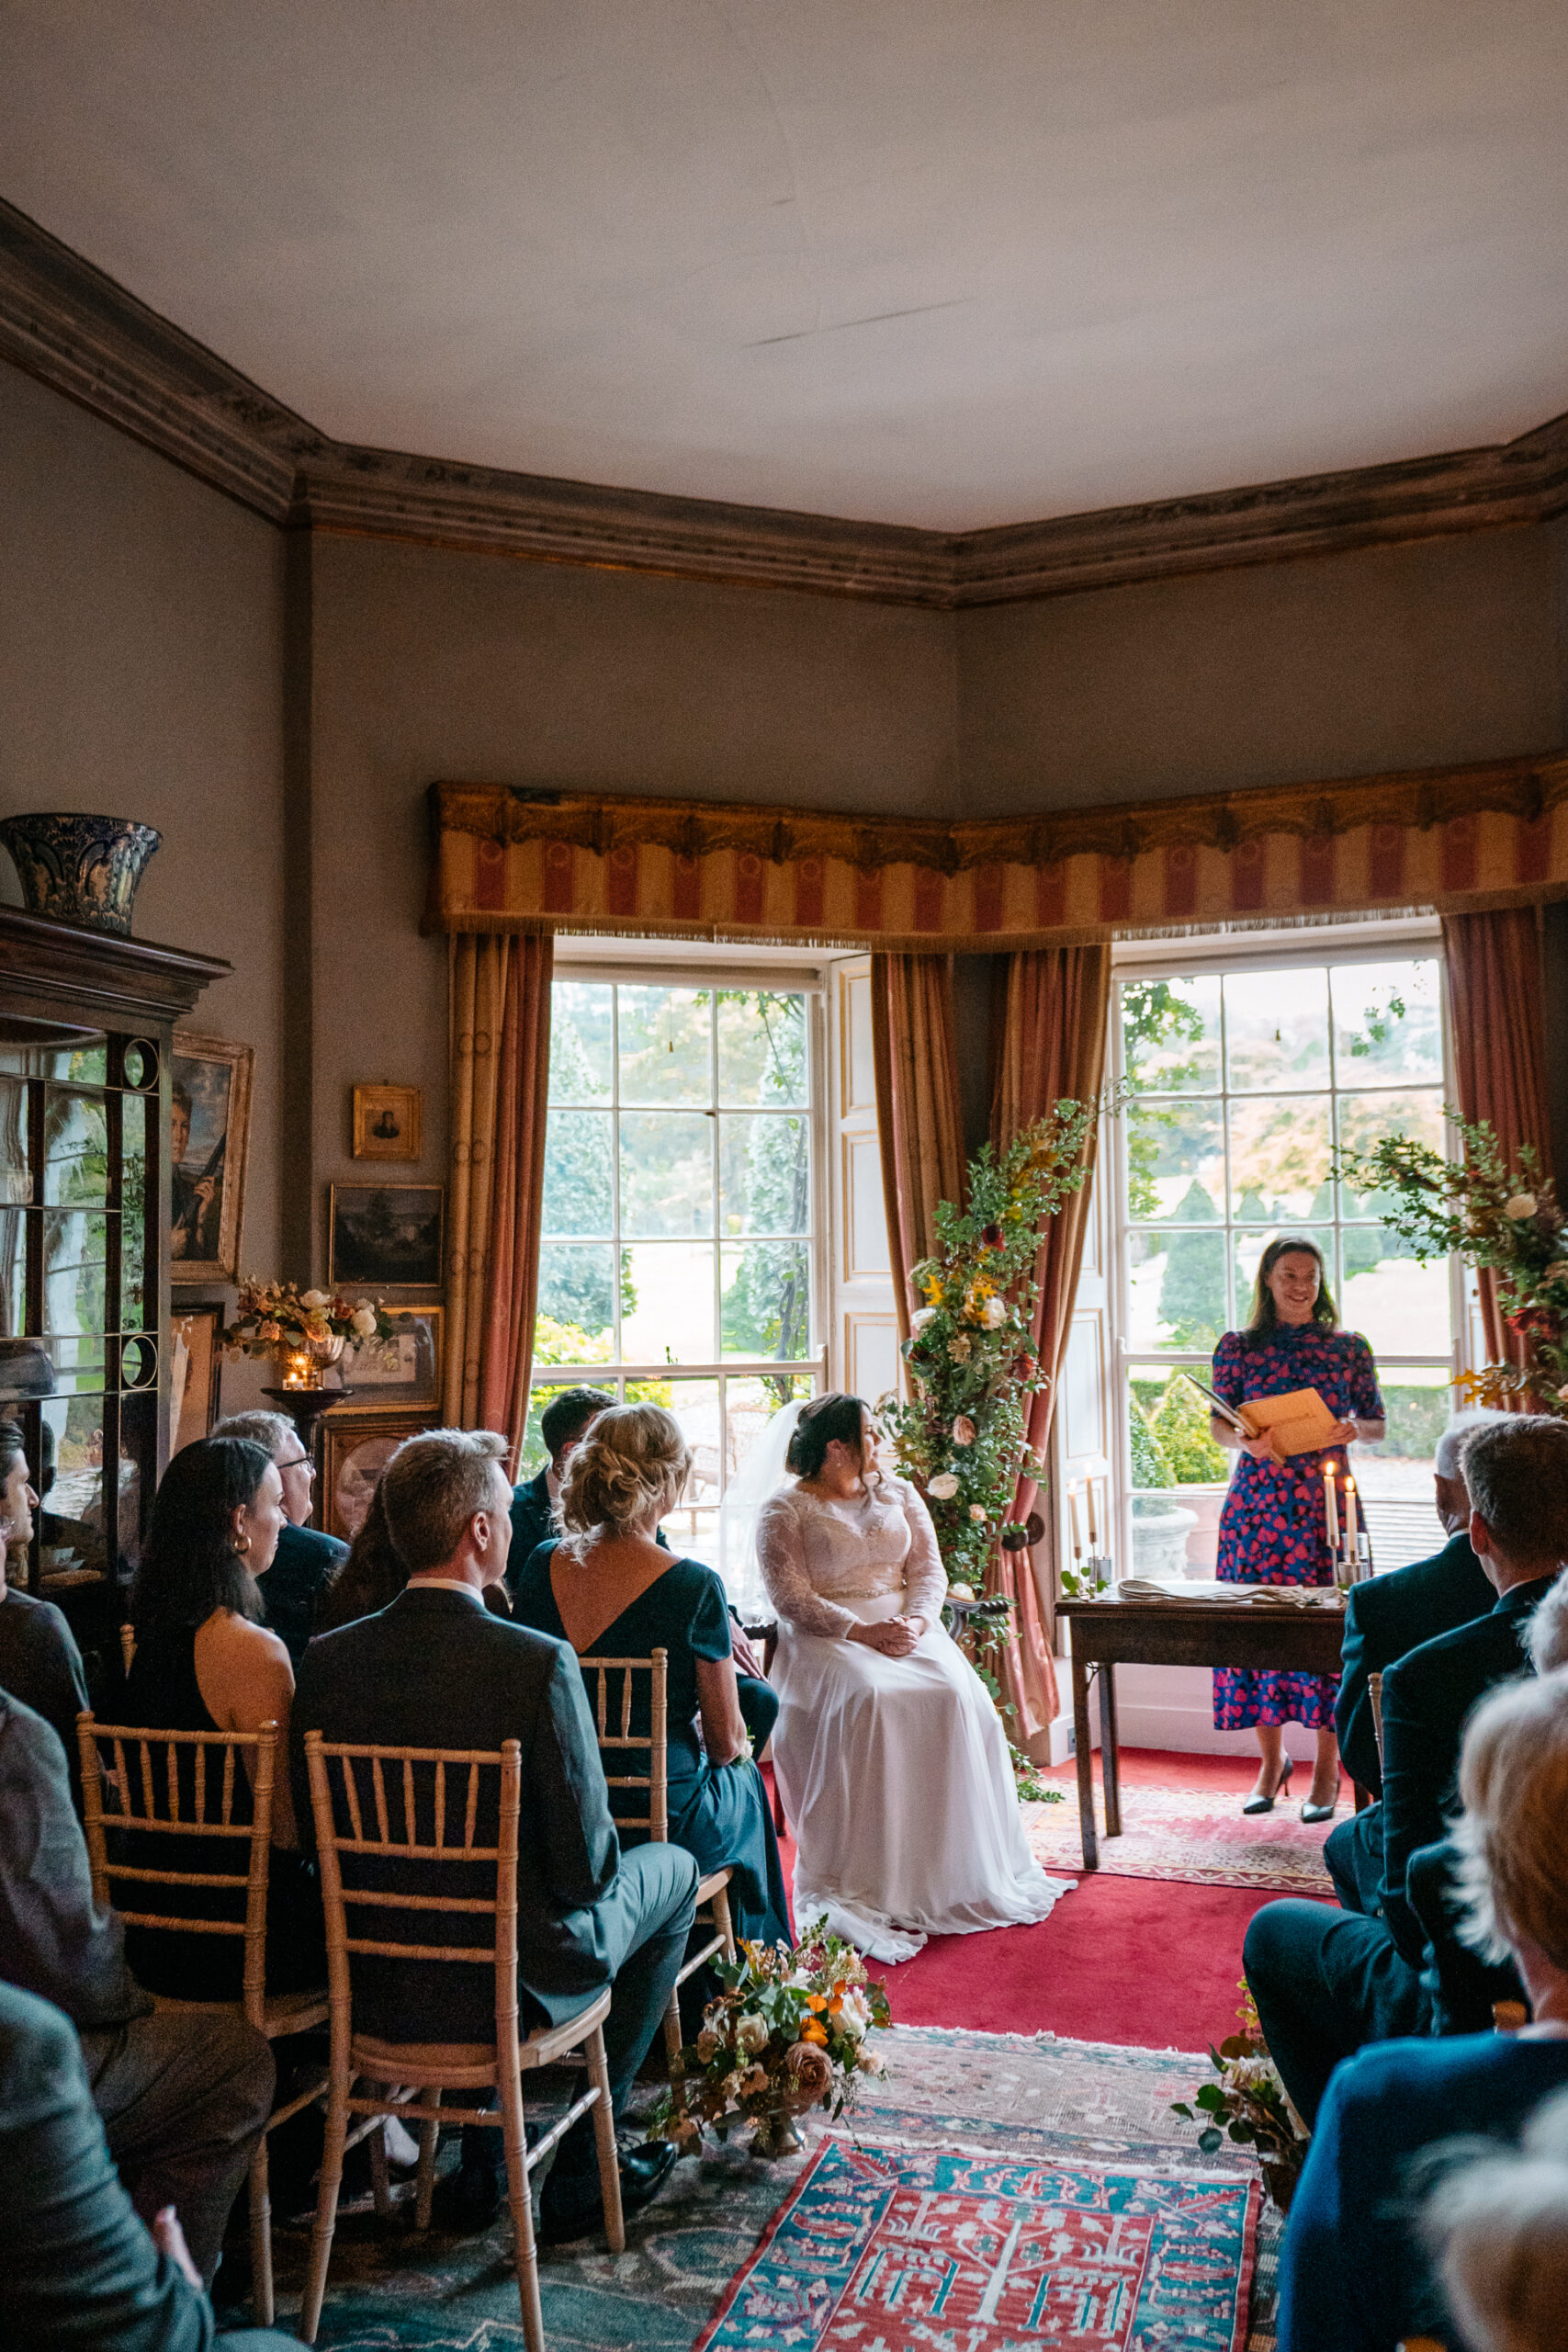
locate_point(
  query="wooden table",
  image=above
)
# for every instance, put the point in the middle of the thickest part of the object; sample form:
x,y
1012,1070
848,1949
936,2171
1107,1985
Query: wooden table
x,y
1110,1632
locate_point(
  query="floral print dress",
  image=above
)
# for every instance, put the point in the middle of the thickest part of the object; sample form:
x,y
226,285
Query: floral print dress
x,y
1272,1528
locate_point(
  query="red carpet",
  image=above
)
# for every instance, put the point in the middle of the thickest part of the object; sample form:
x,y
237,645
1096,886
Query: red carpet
x,y
1152,1964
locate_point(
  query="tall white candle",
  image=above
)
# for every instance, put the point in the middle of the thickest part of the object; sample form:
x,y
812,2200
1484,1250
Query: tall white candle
x,y
1077,1532
1093,1530
1350,1517
1330,1507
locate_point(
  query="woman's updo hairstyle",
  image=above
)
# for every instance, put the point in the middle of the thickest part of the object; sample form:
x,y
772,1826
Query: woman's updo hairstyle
x,y
634,1460
821,1419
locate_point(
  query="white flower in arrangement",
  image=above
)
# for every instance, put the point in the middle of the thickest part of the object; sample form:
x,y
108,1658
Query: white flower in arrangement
x,y
1523,1205
751,2032
964,1430
364,1318
944,1487
994,1313
870,2061
853,2015
919,1320
314,1298
977,1511
1249,2075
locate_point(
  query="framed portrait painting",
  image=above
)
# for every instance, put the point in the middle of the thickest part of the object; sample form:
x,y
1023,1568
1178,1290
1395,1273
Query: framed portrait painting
x,y
355,1449
402,1371
385,1236
194,1367
385,1123
210,1129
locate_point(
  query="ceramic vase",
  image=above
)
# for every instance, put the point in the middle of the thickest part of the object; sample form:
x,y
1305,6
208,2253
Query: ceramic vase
x,y
83,870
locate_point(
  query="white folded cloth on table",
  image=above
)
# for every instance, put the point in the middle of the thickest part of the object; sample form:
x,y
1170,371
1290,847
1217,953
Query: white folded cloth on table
x,y
1280,1596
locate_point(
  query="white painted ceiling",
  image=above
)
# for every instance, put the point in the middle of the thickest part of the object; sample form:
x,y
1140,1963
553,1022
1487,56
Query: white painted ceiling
x,y
943,262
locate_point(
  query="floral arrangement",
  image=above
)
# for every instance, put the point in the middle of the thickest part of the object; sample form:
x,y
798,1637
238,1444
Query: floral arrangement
x,y
1248,2101
790,2031
270,1316
1494,1215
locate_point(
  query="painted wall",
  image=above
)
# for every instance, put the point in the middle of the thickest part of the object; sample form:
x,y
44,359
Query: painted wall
x,y
140,669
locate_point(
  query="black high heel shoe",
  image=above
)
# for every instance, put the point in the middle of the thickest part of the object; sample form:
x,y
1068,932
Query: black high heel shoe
x,y
1266,1804
1311,1812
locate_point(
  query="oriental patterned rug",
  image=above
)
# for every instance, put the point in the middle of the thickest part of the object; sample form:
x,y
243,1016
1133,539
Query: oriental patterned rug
x,y
1028,2099
1197,1834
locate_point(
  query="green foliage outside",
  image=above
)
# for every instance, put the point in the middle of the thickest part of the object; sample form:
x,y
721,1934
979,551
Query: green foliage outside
x,y
569,1343
1150,1468
1181,1429
1192,1294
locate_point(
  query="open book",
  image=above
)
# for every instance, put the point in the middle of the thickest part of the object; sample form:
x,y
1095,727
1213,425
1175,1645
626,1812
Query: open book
x,y
1300,1420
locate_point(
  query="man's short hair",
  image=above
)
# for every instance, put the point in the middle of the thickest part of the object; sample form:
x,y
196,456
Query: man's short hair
x,y
276,1431
431,1489
1449,1462
567,1413
1517,1472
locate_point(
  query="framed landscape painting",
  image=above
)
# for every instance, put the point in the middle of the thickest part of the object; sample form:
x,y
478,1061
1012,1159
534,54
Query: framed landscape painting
x,y
386,1236
210,1129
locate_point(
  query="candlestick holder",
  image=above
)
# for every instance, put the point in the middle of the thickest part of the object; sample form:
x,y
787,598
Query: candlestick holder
x,y
305,1408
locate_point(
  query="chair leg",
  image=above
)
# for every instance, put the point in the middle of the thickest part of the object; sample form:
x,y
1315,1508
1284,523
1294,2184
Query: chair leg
x,y
260,2237
326,2210
672,2029
518,2197
604,2141
429,2133
380,2186
722,1921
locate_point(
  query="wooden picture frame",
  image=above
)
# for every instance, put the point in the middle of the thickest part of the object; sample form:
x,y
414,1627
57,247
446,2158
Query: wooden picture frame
x,y
386,1236
387,1122
355,1449
399,1375
196,1366
209,1135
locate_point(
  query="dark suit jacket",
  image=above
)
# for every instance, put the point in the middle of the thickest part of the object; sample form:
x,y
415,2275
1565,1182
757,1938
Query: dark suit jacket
x,y
80,2268
1383,1619
41,1666
438,1670
53,1938
1426,1699
292,1586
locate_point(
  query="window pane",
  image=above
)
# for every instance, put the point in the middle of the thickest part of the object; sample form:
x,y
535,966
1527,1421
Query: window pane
x,y
1170,1032
75,1147
15,1179
766,1306
667,1303
762,1047
1396,1303
579,1177
666,1173
1366,1119
137,1112
666,1045
1388,1025
765,1173
1176,1288
690,1529
1179,1476
581,1041
577,1297
1395,1477
1276,1029
1279,1157
1249,1249
1176,1161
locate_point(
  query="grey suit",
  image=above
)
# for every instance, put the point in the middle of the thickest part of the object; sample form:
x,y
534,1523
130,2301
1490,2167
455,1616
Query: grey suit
x,y
435,1670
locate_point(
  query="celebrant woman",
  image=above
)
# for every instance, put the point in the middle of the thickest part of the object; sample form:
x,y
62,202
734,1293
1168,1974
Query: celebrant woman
x,y
1279,1514
890,1756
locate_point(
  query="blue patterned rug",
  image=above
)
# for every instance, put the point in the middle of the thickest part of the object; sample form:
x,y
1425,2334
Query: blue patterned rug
x,y
1032,2098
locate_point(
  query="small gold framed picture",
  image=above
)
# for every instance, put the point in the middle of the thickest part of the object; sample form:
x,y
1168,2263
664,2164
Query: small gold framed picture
x,y
386,1122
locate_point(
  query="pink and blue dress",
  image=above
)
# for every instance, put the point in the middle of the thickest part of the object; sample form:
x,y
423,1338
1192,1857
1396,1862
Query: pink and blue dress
x,y
1272,1528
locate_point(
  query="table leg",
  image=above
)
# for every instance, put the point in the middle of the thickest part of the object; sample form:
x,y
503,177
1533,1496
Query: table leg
x,y
1110,1756
1085,1763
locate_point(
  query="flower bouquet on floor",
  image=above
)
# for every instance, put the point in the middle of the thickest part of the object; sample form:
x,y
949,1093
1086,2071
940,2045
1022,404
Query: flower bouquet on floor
x,y
790,2031
1248,2103
304,1331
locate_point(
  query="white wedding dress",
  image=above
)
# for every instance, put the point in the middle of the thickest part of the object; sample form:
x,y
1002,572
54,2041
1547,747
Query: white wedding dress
x,y
894,1770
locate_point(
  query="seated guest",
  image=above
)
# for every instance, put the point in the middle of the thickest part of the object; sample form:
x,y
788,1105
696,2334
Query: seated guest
x,y
40,1662
305,1560
1326,1982
81,2271
1498,2230
1353,2277
608,1587
368,1578
435,1670
182,2099
204,1662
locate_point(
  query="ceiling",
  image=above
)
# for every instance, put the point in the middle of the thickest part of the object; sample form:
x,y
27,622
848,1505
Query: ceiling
x,y
949,263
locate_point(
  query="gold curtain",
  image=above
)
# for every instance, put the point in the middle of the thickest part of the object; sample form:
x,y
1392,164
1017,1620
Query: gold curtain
x,y
917,1115
499,1081
1498,1011
1048,1021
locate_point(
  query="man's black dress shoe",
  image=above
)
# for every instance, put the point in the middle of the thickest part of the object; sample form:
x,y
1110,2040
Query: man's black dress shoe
x,y
573,2207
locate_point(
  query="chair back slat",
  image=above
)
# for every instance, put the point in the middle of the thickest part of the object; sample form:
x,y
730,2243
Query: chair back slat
x,y
611,1745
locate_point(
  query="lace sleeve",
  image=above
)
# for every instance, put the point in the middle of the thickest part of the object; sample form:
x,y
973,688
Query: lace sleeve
x,y
780,1555
925,1578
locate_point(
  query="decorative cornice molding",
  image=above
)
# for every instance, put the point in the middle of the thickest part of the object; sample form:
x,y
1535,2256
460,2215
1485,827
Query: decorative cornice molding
x,y
76,329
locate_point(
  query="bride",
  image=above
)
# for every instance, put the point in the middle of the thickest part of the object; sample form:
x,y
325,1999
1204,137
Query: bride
x,y
890,1756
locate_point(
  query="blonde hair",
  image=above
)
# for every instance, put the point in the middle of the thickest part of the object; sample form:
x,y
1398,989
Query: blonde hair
x,y
635,1460
1513,1778
1498,2231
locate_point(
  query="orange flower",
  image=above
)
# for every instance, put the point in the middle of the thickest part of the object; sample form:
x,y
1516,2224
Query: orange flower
x,y
816,2004
813,2029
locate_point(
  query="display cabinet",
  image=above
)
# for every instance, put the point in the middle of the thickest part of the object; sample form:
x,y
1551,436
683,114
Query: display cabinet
x,y
86,1024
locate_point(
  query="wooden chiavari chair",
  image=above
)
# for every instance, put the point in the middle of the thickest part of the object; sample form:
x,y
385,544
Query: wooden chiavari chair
x,y
714,1890
145,1772
366,1803
127,1646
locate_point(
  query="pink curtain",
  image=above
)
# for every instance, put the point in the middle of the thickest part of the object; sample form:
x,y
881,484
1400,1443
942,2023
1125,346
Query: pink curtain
x,y
499,1085
1496,1006
1048,1028
917,1106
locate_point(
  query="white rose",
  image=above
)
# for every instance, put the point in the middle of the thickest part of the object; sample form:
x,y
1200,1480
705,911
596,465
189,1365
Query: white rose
x,y
994,1313
313,1298
364,1321
943,1488
961,1592
1520,1206
751,2034
918,1322
976,1510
